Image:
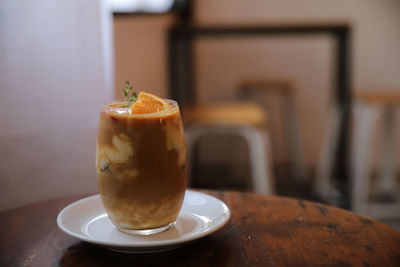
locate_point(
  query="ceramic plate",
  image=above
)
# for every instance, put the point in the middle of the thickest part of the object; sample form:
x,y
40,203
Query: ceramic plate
x,y
87,220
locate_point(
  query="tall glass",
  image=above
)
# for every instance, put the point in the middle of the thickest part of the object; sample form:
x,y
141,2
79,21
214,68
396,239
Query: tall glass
x,y
141,167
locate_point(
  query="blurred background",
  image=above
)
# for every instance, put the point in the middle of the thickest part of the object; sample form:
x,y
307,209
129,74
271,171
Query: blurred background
x,y
315,84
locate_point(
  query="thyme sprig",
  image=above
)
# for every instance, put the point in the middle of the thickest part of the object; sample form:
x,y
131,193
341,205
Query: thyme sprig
x,y
130,96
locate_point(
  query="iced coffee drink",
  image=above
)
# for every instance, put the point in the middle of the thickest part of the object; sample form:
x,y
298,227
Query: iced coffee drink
x,y
141,163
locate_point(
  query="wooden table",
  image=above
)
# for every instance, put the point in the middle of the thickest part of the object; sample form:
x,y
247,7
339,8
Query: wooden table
x,y
263,231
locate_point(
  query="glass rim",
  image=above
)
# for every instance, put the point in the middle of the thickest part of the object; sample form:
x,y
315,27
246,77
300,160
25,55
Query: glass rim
x,y
171,102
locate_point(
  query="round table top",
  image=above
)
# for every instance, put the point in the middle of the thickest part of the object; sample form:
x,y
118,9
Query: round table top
x,y
263,230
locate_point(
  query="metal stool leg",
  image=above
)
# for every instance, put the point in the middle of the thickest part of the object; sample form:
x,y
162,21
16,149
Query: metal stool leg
x,y
294,140
259,160
365,120
192,135
386,182
323,186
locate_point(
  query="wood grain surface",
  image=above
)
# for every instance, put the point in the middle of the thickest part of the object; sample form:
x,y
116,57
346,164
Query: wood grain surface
x,y
263,231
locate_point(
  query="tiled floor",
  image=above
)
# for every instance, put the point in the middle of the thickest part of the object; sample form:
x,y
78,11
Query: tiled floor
x,y
217,177
395,223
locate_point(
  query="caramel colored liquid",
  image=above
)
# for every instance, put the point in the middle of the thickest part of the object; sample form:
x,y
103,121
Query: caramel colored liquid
x,y
141,167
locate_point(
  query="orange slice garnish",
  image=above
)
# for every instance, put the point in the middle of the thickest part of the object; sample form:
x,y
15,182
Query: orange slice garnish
x,y
147,103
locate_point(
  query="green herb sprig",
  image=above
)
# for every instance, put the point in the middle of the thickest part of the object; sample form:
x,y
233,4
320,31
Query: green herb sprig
x,y
130,97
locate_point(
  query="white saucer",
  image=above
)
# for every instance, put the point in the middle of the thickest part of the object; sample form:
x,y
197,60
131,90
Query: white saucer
x,y
87,220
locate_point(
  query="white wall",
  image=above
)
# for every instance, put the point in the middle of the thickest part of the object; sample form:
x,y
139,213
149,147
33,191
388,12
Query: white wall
x,y
56,71
376,35
141,53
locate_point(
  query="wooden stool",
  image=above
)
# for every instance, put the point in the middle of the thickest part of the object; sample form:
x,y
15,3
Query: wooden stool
x,y
255,90
246,120
368,109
